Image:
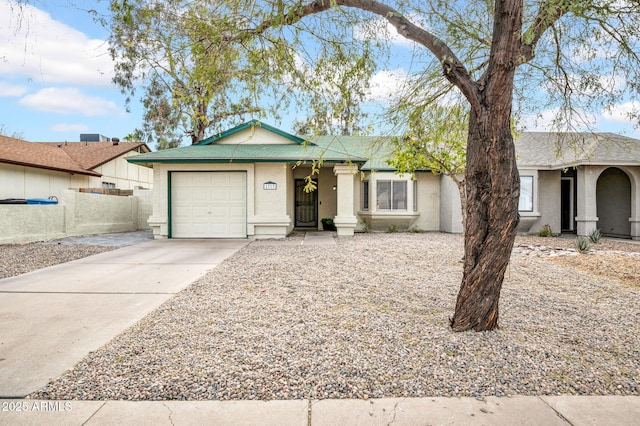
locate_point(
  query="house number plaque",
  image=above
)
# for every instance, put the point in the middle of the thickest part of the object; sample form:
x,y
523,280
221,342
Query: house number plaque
x,y
269,186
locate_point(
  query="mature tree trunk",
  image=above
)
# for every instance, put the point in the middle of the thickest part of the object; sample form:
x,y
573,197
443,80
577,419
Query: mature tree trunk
x,y
492,179
493,188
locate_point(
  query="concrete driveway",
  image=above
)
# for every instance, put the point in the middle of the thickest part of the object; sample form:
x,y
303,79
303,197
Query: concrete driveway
x,y
53,317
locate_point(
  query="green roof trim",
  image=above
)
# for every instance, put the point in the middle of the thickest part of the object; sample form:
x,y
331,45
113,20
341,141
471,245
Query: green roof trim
x,y
245,153
250,125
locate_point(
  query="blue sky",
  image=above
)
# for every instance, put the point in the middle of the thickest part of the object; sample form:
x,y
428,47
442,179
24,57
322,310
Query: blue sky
x,y
55,77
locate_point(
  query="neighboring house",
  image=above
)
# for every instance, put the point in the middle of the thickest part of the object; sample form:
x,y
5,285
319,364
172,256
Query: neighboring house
x,y
577,182
250,182
44,169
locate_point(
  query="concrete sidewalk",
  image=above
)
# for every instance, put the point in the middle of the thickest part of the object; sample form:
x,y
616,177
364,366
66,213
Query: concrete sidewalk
x,y
51,318
517,410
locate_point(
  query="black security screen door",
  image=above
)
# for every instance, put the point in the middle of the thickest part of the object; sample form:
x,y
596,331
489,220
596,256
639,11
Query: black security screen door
x,y
306,206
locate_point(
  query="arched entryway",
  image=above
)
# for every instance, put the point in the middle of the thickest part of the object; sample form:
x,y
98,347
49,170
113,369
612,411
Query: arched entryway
x,y
613,198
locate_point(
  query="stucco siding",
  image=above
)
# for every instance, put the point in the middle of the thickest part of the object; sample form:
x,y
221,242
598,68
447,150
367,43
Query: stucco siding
x,y
547,200
428,202
76,214
123,174
30,182
450,207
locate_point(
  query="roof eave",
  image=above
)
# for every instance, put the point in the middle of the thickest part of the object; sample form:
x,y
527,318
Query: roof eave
x,y
55,169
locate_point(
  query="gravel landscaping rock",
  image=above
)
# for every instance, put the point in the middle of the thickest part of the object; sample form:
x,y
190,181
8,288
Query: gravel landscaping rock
x,y
16,259
368,318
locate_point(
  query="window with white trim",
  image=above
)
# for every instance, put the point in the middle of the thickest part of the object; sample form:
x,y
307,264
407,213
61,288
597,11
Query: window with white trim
x,y
415,195
525,204
108,185
391,195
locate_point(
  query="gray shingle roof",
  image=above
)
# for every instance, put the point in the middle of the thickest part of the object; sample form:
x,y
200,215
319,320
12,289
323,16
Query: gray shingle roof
x,y
546,150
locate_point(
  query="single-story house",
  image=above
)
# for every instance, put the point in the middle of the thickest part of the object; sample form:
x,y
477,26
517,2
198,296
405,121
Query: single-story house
x,y
250,182
44,169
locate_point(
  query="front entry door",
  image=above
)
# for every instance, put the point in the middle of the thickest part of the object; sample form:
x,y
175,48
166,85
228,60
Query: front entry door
x,y
567,212
306,206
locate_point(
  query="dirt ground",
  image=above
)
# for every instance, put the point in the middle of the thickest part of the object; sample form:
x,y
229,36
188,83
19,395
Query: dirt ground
x,y
612,258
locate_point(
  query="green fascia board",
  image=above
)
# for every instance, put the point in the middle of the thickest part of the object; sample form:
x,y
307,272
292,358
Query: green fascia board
x,y
244,153
250,125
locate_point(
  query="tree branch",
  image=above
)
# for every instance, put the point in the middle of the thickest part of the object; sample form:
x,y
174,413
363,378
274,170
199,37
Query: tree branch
x,y
452,68
549,13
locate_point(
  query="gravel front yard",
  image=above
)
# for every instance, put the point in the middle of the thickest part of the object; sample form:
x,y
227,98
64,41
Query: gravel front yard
x,y
368,318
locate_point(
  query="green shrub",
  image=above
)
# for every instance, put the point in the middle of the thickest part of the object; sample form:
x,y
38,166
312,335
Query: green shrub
x,y
545,231
582,244
595,236
414,229
366,225
327,224
392,228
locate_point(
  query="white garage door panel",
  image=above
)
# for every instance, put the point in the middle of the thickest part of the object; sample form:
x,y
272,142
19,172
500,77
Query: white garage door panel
x,y
208,205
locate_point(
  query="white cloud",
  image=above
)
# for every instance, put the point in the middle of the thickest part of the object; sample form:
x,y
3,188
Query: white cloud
x,y
7,90
68,101
387,85
621,113
48,51
68,128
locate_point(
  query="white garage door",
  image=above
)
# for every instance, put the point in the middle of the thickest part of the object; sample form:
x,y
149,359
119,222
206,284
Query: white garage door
x,y
209,205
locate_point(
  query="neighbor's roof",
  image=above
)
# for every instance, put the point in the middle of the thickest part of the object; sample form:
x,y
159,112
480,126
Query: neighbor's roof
x,y
93,154
71,157
43,156
548,150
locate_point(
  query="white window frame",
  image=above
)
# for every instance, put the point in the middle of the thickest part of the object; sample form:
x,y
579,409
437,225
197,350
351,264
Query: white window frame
x,y
392,201
527,190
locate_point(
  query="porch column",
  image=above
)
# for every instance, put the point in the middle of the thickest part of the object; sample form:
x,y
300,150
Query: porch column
x,y
345,219
587,209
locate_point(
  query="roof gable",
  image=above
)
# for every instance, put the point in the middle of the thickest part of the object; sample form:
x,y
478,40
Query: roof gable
x,y
253,133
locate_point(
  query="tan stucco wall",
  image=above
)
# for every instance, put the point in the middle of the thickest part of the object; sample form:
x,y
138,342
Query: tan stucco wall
x,y
546,201
271,218
21,224
428,202
450,206
30,182
123,174
76,214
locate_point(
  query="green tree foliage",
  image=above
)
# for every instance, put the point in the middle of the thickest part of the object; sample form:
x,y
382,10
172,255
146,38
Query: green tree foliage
x,y
573,55
338,88
436,140
194,80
